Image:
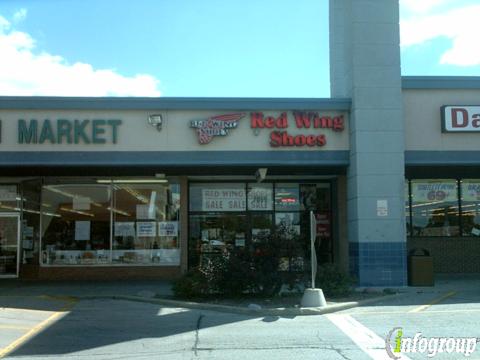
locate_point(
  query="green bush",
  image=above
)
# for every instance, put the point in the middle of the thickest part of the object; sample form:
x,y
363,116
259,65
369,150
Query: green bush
x,y
333,282
191,285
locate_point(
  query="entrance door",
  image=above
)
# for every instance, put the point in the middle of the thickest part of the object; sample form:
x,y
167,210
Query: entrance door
x,y
9,245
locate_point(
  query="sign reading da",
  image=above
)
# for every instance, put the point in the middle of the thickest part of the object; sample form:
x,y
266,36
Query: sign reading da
x,y
460,118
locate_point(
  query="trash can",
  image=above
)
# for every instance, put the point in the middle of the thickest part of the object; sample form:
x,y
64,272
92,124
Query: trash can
x,y
420,268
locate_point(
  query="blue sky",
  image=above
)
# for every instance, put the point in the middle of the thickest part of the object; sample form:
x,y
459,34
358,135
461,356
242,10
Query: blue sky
x,y
243,48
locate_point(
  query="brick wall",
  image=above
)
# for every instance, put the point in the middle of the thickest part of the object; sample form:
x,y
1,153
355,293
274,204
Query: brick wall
x,y
100,273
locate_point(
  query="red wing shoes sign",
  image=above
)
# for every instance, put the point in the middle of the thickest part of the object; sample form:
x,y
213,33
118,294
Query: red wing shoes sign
x,y
219,125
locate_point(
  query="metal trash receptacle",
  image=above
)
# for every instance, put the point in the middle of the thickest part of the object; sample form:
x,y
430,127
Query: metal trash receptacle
x,y
420,268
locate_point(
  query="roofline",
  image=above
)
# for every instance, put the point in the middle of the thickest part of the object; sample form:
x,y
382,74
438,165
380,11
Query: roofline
x,y
440,82
170,103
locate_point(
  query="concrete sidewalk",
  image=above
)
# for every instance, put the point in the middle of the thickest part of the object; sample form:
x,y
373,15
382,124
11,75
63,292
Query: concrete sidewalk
x,y
159,292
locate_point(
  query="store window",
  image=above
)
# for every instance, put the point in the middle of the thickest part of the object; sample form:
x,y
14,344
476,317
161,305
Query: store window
x,y
470,190
435,208
146,224
115,223
76,224
9,198
227,217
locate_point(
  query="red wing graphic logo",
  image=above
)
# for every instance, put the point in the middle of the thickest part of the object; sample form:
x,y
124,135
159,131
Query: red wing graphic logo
x,y
219,125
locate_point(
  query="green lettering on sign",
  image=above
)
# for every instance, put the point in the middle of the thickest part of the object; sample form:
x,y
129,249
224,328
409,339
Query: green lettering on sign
x,y
47,132
27,135
79,131
97,131
64,130
114,123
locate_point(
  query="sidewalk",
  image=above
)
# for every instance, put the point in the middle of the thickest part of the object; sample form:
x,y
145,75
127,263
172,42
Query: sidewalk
x,y
159,292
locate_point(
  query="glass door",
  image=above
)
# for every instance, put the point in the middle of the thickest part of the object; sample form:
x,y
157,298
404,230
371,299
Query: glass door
x,y
9,244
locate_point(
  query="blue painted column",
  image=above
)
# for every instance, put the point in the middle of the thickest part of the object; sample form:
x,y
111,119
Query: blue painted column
x,y
365,66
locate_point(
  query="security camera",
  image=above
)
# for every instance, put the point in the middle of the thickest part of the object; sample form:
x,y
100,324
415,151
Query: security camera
x,y
261,174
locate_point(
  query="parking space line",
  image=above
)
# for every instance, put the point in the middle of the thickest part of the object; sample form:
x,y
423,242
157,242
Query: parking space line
x,y
14,327
37,328
433,302
369,342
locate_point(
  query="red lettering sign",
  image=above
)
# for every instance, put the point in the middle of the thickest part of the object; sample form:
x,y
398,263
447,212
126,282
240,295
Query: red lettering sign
x,y
302,120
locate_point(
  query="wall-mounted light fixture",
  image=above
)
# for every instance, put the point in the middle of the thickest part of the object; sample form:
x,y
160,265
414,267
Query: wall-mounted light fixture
x,y
156,121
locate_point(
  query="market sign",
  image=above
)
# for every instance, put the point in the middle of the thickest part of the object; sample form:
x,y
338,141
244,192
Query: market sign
x,y
433,191
460,118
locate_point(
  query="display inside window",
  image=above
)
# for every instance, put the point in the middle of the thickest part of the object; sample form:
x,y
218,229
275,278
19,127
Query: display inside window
x,y
93,224
146,224
470,190
76,224
287,197
216,234
435,209
276,212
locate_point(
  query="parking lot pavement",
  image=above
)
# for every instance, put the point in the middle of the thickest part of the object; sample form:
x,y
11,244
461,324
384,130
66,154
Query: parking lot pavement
x,y
45,327
23,317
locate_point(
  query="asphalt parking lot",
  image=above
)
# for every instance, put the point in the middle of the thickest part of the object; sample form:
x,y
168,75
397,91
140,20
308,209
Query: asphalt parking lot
x,y
46,327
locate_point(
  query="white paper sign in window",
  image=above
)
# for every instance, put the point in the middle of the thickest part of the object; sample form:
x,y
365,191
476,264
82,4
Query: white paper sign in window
x,y
124,228
223,199
260,198
146,228
168,228
82,230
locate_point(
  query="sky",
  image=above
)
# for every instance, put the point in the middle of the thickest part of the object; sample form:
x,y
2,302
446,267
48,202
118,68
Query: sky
x,y
208,48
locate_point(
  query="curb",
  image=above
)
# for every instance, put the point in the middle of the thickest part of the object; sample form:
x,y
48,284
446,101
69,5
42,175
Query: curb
x,y
285,312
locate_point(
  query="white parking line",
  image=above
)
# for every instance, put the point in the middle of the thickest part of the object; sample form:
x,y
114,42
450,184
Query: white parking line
x,y
363,337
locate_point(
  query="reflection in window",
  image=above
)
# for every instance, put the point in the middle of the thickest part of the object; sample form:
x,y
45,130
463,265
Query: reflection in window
x,y
287,197
277,209
93,224
76,224
435,208
470,190
146,224
215,234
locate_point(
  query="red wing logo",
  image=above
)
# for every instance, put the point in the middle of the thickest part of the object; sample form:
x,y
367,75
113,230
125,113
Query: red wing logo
x,y
219,125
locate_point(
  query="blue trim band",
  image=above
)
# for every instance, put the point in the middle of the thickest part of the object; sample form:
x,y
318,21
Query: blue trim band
x,y
165,103
174,158
442,158
441,82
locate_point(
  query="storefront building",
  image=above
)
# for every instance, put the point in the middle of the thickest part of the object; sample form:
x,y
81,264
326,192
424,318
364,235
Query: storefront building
x,y
117,188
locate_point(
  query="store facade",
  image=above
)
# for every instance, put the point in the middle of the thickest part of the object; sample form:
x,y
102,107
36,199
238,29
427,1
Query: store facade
x,y
144,188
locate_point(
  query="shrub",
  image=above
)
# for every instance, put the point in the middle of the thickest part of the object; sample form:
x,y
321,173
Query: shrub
x,y
191,285
333,282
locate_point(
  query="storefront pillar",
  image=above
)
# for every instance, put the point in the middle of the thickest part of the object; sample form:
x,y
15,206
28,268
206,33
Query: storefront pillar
x,y
365,66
